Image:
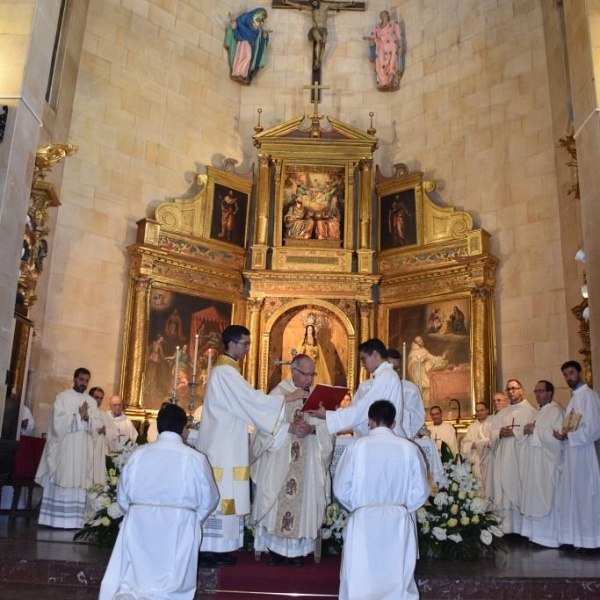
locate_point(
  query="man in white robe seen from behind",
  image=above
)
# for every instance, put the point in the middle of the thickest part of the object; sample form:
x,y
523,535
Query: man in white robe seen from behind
x,y
381,479
413,415
166,491
579,517
68,463
230,405
291,473
475,446
541,470
384,384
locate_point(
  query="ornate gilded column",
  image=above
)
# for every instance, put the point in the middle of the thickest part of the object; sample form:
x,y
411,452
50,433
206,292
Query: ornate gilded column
x,y
365,329
483,343
255,305
259,248
365,211
136,358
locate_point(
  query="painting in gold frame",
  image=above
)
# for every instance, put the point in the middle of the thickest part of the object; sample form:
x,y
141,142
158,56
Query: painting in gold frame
x,y
313,203
174,320
229,204
437,338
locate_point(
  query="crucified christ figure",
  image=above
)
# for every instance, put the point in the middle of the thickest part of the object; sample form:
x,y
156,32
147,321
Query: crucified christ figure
x,y
318,31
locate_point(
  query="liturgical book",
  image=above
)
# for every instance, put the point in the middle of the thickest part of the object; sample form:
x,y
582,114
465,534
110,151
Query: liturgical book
x,y
329,395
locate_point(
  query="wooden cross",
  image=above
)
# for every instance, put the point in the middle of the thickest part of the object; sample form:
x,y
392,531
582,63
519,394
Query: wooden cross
x,y
318,31
315,95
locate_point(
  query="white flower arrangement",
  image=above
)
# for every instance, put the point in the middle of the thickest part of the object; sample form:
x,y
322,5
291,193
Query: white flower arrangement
x,y
103,526
457,522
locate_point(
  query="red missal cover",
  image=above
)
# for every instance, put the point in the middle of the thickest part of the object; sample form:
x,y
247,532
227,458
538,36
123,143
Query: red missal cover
x,y
329,395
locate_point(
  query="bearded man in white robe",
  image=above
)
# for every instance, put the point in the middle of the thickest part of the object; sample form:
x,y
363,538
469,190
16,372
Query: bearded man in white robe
x,y
166,491
68,465
126,429
541,470
291,473
380,540
579,502
475,445
230,405
383,385
507,458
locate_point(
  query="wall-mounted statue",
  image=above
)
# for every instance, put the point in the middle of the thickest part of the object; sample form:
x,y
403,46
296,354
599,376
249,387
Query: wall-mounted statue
x,y
385,49
246,40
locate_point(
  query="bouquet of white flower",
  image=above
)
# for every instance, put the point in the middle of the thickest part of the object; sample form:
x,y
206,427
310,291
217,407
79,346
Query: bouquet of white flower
x,y
457,522
103,527
336,518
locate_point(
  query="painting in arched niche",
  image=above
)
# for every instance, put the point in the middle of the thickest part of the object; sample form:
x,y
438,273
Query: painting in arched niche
x,y
312,330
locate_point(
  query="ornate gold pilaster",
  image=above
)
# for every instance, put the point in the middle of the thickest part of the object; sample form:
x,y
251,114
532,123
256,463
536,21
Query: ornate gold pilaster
x,y
138,340
365,211
482,302
255,305
259,249
365,329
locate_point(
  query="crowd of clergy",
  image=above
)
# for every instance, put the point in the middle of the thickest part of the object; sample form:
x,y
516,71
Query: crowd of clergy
x,y
539,463
538,466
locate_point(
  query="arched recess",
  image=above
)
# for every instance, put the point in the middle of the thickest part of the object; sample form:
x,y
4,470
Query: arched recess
x,y
338,334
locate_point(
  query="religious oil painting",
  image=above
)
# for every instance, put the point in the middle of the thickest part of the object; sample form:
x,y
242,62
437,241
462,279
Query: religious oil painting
x,y
174,321
437,339
313,204
229,215
398,220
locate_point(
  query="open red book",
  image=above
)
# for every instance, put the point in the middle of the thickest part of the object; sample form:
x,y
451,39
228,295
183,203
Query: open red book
x,y
329,395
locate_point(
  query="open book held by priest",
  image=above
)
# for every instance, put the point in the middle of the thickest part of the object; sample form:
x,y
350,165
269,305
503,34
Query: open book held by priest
x,y
329,395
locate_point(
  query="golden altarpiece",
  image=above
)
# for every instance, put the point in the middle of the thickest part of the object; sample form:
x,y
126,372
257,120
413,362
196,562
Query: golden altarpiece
x,y
315,252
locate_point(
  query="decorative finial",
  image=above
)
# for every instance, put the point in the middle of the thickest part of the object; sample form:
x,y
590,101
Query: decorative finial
x,y
371,130
258,127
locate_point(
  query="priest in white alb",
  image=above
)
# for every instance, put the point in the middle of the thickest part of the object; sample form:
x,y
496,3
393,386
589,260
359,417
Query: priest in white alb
x,y
291,473
165,491
380,540
541,470
475,445
68,463
230,405
579,502
126,429
507,457
442,431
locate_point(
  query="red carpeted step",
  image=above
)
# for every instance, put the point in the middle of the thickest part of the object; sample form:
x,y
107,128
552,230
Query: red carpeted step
x,y
251,576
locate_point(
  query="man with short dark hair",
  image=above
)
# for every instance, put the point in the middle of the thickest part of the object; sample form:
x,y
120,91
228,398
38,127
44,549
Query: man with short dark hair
x,y
475,445
166,491
384,384
380,547
64,470
541,467
413,415
230,405
507,459
291,472
442,431
579,499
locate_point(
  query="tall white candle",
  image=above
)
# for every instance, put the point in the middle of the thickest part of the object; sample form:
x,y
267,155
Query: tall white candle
x,y
176,370
403,360
420,375
195,358
208,366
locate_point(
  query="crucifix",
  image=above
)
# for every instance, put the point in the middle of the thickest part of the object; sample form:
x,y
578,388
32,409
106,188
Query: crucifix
x,y
318,32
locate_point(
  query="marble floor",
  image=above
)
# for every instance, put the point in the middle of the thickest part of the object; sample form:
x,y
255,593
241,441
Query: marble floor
x,y
38,562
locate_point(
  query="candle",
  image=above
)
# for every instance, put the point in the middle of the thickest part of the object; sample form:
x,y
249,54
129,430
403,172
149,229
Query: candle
x,y
404,360
420,375
195,358
176,370
209,361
